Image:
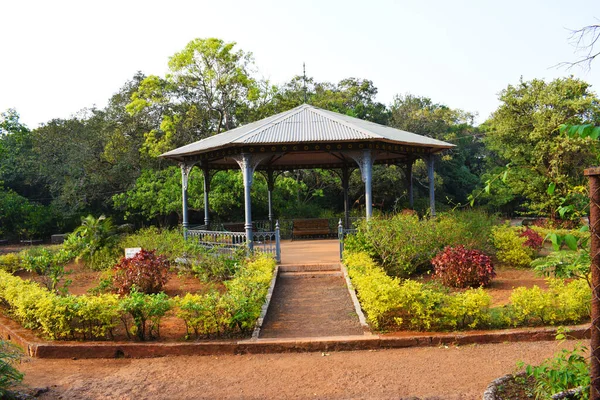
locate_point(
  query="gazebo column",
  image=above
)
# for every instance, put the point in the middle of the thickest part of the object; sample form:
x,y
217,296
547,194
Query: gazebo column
x,y
409,183
365,162
430,174
185,174
206,173
270,187
248,164
345,185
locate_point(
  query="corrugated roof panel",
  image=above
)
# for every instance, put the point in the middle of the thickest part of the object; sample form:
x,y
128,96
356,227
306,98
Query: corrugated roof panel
x,y
306,123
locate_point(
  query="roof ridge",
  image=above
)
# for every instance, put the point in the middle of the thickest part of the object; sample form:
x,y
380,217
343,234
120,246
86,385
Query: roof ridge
x,y
284,114
326,113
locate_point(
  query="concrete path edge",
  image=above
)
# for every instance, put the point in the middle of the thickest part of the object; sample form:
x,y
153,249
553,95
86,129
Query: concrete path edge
x,y
357,307
39,348
265,307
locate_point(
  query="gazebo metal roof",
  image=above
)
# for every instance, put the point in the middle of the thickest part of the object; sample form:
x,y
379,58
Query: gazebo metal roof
x,y
307,136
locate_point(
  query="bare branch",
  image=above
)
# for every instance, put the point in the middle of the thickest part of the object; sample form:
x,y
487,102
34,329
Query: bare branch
x,y
584,40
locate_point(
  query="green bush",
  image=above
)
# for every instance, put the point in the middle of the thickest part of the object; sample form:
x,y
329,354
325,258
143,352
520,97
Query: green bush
x,y
10,262
237,309
389,302
58,317
562,303
91,317
142,313
564,264
412,305
167,242
510,246
49,263
95,242
568,369
201,313
404,244
469,309
9,375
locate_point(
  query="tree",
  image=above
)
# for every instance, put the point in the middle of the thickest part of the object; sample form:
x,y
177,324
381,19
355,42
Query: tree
x,y
524,131
19,168
459,168
207,82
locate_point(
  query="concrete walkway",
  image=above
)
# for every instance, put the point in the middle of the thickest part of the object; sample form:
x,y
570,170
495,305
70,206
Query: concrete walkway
x,y
311,298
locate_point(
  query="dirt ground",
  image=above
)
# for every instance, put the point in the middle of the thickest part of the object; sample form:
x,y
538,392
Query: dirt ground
x,y
427,373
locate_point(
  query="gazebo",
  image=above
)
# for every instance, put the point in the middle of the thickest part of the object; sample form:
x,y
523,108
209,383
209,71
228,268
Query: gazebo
x,y
302,138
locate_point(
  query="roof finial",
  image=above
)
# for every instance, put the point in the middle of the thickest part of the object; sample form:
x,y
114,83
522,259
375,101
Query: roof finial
x,y
304,80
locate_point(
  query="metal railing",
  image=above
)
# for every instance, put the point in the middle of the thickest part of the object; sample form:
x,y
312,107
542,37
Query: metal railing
x,y
286,226
268,242
342,233
222,243
231,243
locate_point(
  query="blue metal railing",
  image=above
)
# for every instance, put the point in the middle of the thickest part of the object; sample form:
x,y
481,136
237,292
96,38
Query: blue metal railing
x,y
230,243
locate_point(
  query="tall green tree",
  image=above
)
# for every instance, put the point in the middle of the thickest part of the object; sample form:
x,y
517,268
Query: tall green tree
x,y
457,170
524,131
207,82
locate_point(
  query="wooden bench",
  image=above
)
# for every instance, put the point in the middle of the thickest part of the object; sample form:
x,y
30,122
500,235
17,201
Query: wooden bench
x,y
310,227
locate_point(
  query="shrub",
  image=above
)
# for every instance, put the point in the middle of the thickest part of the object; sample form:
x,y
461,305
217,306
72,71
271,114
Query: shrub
x,y
167,242
412,305
234,311
532,239
510,246
564,264
377,292
143,312
10,262
201,313
58,317
469,309
49,263
461,268
94,242
215,267
561,303
147,271
404,244
568,369
9,375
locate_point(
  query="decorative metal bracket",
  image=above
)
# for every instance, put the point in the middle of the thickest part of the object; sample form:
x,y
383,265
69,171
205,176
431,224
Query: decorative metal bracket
x,y
364,160
186,169
249,162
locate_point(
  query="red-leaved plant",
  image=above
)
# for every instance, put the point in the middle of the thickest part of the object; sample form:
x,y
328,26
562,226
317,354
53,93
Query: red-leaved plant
x,y
146,270
461,268
534,240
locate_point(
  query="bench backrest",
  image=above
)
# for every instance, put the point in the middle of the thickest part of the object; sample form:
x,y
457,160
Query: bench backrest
x,y
315,223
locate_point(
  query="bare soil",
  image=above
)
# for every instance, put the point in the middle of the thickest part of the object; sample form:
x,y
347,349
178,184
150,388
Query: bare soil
x,y
427,373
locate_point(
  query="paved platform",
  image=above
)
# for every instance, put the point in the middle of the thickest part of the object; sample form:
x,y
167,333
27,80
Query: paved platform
x,y
318,251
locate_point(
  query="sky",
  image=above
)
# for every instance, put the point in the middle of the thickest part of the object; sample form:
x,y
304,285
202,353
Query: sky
x,y
58,57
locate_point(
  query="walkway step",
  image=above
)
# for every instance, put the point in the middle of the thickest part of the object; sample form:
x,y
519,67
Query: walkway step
x,y
309,267
309,274
308,307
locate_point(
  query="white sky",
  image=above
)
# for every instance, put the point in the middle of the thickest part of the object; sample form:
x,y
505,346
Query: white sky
x,y
57,57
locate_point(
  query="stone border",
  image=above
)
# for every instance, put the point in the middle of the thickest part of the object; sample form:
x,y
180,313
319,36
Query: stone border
x,y
265,307
357,307
36,347
491,390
